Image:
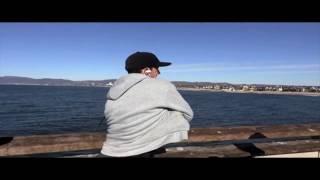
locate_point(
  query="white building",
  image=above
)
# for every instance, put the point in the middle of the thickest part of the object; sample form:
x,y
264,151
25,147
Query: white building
x,y
253,88
207,87
109,84
280,89
245,88
231,89
217,87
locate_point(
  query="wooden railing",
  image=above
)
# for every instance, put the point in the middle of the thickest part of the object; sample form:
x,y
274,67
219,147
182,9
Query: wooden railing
x,y
242,141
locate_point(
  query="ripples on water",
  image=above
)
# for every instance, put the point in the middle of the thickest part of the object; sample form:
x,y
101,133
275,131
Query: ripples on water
x,y
44,110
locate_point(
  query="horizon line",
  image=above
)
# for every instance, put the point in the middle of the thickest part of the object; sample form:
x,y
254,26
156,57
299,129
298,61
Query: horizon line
x,y
192,81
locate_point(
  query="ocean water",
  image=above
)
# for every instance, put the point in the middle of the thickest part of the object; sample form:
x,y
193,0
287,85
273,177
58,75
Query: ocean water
x,y
30,110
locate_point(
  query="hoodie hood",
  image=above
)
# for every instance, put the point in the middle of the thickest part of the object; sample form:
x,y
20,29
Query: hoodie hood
x,y
123,84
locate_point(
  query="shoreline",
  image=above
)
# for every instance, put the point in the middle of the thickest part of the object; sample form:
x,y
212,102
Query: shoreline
x,y
255,92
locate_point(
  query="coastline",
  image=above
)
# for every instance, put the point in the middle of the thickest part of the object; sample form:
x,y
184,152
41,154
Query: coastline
x,y
255,92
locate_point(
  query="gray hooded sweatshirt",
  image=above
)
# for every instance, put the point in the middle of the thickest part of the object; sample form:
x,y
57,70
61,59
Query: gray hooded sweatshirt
x,y
144,114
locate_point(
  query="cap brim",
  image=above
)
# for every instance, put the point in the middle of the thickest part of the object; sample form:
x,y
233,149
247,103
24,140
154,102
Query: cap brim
x,y
164,64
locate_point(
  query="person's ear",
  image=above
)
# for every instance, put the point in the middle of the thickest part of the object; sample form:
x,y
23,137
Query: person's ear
x,y
147,71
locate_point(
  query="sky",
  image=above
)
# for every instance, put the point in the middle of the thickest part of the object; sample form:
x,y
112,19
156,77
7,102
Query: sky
x,y
250,53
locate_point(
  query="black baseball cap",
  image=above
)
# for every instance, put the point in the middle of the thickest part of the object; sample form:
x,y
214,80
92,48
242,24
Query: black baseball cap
x,y
140,60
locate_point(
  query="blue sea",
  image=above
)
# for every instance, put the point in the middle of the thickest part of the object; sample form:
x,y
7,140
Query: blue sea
x,y
31,110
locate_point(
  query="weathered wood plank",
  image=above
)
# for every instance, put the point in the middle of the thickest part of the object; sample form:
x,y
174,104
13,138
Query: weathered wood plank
x,y
252,132
24,145
243,150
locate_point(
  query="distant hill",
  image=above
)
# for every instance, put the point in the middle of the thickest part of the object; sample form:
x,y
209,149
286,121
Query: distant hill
x,y
15,80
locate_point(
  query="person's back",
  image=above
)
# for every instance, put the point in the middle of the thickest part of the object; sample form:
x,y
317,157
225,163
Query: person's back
x,y
143,114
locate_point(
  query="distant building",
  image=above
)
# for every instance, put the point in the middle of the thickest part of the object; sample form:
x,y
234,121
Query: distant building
x,y
268,88
207,87
260,89
280,89
109,84
313,89
245,88
231,89
253,88
237,88
217,87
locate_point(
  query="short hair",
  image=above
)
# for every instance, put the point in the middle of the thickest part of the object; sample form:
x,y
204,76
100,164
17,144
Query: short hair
x,y
134,71
139,70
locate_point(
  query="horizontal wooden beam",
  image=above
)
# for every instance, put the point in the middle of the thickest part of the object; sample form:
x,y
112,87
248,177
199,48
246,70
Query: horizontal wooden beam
x,y
24,145
243,150
253,132
27,145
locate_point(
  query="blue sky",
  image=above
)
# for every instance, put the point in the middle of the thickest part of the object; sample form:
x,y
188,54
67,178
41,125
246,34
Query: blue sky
x,y
271,53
